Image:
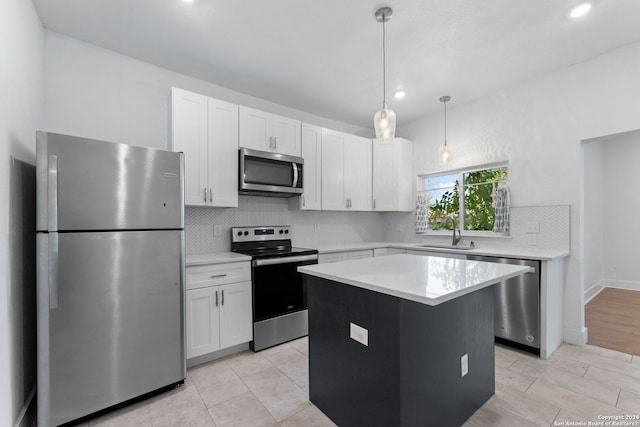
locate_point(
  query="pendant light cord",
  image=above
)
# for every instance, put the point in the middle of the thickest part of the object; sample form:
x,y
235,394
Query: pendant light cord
x,y
445,123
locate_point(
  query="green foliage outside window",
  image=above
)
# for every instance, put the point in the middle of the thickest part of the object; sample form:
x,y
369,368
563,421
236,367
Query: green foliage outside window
x,y
476,206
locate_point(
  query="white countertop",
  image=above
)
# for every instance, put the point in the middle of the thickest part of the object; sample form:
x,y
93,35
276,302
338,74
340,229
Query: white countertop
x,y
526,253
424,279
215,258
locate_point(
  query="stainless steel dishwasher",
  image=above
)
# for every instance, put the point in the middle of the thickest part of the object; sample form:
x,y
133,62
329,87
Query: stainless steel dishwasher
x,y
517,304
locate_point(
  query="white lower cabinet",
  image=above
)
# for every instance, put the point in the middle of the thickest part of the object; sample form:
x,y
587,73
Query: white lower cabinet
x,y
218,307
437,254
387,251
344,256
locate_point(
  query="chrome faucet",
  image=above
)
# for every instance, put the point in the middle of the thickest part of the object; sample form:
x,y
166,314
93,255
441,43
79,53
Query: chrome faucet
x,y
455,239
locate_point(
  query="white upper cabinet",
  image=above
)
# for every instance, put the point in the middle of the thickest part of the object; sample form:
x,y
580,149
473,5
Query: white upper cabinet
x,y
206,131
393,175
312,168
346,171
357,173
264,131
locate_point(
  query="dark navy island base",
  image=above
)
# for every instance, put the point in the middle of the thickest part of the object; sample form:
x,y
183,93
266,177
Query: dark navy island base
x,y
410,373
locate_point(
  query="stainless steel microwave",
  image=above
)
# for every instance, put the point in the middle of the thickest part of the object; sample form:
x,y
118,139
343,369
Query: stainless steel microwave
x,y
269,174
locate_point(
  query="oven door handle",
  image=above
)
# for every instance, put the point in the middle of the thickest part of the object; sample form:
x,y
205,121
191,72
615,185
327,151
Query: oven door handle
x,y
284,260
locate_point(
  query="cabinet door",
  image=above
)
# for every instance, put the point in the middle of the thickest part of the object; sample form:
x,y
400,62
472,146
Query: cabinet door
x,y
357,173
235,314
203,324
333,197
367,253
312,169
335,257
223,153
255,129
189,135
383,175
286,134
404,177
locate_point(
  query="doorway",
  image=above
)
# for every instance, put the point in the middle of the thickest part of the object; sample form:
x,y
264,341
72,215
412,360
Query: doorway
x,y
611,270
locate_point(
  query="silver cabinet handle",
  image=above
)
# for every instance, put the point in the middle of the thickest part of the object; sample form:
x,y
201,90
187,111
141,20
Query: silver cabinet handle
x,y
216,298
210,195
216,276
205,194
271,143
346,202
52,193
303,201
222,297
275,144
53,270
374,203
295,175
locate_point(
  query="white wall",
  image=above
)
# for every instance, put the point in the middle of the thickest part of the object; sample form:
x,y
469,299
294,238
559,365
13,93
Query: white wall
x,y
97,93
538,127
621,205
593,230
21,86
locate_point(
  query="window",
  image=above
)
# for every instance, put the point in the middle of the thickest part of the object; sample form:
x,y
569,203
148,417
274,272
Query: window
x,y
465,195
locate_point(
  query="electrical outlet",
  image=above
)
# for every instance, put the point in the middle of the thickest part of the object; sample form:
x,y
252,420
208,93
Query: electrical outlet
x,y
316,228
217,230
464,365
532,239
533,227
358,333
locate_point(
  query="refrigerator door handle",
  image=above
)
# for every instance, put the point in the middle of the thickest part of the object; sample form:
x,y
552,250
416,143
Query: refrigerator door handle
x,y
53,271
52,193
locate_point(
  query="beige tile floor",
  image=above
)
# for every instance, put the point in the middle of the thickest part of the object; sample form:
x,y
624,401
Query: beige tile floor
x,y
270,388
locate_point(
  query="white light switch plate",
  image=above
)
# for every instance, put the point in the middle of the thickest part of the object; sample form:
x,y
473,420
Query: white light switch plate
x,y
359,334
532,239
217,230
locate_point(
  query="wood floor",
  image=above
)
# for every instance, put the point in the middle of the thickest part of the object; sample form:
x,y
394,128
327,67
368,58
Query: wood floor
x,y
613,320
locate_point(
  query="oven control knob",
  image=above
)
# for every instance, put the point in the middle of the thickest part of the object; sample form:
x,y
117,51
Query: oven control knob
x,y
286,231
281,231
239,233
246,233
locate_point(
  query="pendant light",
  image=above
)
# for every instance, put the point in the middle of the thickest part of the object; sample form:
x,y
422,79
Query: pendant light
x,y
445,154
384,120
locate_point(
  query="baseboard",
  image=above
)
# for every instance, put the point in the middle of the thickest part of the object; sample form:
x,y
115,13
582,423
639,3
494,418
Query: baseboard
x,y
576,336
590,293
620,284
28,412
194,361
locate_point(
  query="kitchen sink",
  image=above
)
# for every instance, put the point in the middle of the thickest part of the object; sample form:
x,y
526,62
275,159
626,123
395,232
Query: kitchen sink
x,y
463,248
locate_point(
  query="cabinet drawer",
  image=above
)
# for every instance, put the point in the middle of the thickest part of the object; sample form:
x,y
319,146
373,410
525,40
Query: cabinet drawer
x,y
217,274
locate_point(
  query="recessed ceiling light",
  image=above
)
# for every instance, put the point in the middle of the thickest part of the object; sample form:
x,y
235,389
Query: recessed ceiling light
x,y
580,10
189,1
399,94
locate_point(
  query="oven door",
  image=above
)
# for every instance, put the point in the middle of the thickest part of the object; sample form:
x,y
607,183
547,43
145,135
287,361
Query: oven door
x,y
278,288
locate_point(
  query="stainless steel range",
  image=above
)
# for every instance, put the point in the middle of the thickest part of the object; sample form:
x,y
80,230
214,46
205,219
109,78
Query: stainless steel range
x,y
279,295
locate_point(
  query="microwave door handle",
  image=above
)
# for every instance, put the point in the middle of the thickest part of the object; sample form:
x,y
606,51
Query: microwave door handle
x,y
295,175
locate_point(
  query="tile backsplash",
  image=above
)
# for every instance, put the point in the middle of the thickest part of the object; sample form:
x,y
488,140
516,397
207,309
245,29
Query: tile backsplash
x,y
553,221
333,228
324,228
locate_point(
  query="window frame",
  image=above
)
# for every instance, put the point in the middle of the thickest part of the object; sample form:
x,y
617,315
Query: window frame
x,y
460,172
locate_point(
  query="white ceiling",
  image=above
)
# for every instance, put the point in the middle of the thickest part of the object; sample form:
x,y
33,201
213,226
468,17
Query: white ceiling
x,y
325,56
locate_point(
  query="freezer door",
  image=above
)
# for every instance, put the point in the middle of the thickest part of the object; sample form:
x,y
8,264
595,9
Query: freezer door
x,y
84,184
111,319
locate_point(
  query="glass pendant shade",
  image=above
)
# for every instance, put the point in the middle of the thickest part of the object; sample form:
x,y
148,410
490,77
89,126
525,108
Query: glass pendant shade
x,y
444,154
384,123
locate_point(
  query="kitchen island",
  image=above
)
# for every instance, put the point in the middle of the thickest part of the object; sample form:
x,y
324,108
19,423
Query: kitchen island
x,y
402,340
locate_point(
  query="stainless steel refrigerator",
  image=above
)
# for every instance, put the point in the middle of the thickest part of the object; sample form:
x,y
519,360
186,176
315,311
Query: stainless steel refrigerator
x,y
110,241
